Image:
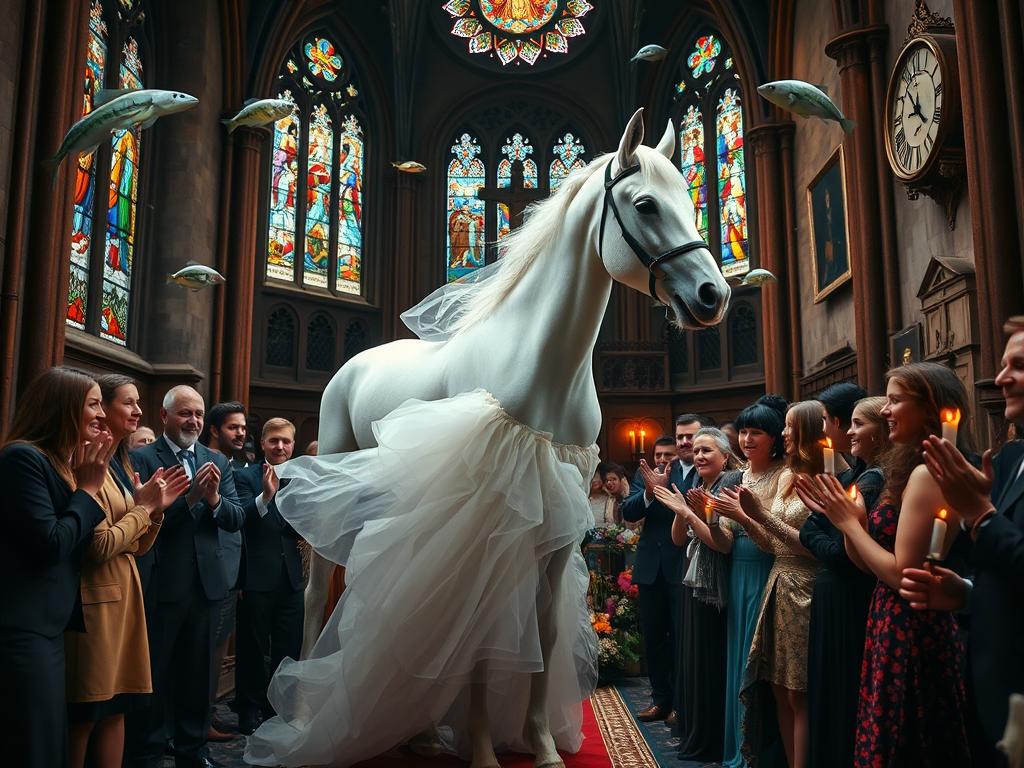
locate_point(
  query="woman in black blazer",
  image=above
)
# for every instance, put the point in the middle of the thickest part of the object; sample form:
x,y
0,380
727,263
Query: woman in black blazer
x,y
52,465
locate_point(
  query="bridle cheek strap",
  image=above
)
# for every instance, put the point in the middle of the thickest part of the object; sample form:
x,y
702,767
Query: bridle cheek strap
x,y
635,245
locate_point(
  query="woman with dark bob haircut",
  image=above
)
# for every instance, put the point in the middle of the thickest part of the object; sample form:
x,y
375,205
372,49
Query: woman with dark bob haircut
x,y
52,466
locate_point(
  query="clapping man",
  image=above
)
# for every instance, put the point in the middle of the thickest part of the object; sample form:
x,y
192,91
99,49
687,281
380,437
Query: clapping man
x,y
660,564
990,503
270,611
189,583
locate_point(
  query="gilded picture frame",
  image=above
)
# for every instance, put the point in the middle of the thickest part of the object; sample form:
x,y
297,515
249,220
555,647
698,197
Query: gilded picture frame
x,y
829,226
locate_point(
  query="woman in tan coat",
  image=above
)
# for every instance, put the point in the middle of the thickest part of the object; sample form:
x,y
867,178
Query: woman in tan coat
x,y
108,665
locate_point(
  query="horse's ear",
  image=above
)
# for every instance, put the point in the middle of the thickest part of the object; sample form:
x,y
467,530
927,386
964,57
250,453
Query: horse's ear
x,y
632,138
667,145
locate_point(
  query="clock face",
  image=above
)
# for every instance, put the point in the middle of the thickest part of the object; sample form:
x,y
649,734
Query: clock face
x,y
916,109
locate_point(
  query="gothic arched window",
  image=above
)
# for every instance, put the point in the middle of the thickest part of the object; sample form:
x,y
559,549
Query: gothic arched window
x,y
743,337
485,160
100,286
320,343
281,338
709,113
317,169
355,339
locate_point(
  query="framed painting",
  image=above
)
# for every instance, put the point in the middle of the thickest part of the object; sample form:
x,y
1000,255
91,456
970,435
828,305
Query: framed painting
x,y
905,346
830,233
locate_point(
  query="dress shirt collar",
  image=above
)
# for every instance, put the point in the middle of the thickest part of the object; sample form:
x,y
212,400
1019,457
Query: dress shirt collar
x,y
176,449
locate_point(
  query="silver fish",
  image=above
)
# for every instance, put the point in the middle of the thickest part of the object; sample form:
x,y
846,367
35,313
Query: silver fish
x,y
758,277
805,100
196,276
650,53
260,112
117,109
410,166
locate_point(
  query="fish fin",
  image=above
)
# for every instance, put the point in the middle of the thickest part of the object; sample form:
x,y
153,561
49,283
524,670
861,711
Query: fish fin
x,y
231,124
247,102
170,278
109,94
848,125
791,98
192,263
821,88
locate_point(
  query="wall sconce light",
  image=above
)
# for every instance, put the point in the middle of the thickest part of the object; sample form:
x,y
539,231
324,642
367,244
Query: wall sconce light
x,y
633,445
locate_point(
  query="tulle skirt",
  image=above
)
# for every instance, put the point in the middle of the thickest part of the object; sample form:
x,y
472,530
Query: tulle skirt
x,y
460,533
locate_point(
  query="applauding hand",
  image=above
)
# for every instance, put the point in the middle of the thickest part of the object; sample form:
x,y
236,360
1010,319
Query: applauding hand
x,y
652,478
965,488
270,483
807,490
673,499
838,507
91,461
160,491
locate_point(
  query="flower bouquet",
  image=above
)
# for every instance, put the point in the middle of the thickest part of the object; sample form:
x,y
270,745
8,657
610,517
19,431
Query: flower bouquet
x,y
614,618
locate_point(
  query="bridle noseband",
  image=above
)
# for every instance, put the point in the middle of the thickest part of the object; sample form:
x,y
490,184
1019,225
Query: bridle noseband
x,y
641,253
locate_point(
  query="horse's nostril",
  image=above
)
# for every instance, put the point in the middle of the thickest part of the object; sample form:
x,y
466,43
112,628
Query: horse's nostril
x,y
708,295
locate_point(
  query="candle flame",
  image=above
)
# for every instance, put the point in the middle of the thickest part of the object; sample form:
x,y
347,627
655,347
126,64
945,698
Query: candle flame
x,y
827,442
942,514
632,433
643,433
949,416
852,493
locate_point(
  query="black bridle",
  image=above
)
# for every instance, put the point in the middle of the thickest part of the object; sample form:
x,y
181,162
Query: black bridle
x,y
641,253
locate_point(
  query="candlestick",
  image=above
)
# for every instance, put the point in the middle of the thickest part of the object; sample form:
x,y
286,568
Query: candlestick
x,y
830,457
950,423
632,441
643,436
710,516
938,535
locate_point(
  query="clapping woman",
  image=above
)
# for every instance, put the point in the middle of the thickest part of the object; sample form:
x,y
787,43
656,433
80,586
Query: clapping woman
x,y
52,466
108,669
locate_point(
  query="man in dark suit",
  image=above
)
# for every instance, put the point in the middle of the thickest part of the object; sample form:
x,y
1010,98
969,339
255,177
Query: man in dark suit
x,y
990,503
189,583
660,564
270,611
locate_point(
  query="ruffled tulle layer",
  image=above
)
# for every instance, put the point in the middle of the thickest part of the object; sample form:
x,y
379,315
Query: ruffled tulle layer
x,y
458,532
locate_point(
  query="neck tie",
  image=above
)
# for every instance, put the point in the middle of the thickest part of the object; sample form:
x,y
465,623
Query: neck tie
x,y
188,460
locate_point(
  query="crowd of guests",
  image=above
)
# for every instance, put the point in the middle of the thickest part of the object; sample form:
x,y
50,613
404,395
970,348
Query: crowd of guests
x,y
793,616
130,559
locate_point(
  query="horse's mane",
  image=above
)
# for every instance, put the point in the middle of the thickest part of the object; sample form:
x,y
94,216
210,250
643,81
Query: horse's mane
x,y
520,248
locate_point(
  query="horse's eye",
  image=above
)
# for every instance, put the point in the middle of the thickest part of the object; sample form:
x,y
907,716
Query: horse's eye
x,y
646,206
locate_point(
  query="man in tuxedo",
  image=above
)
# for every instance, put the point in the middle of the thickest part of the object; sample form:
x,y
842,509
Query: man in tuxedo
x,y
660,564
990,503
270,611
225,433
189,583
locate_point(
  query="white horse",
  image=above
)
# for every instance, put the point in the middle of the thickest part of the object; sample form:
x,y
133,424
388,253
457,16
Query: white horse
x,y
529,337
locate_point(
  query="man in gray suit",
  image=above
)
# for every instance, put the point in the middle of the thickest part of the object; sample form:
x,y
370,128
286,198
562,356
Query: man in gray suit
x,y
190,582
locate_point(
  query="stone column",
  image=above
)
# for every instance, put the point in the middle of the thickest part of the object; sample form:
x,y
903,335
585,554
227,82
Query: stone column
x,y
780,298
243,264
401,286
851,51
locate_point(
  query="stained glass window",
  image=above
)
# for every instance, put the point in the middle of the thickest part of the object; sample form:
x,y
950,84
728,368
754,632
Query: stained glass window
x,y
465,240
309,166
732,200
284,180
517,31
691,160
516,149
709,113
350,201
318,197
100,283
85,176
568,156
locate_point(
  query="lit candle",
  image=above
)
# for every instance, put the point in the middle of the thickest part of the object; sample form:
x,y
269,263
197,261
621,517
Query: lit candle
x,y
643,435
830,457
852,493
938,535
632,441
710,517
950,422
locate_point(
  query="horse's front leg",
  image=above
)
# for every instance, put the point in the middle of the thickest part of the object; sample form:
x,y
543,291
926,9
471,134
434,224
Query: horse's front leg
x,y
480,723
538,730
315,599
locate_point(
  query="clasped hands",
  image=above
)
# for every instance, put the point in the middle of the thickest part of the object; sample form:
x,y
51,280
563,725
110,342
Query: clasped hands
x,y
727,503
825,494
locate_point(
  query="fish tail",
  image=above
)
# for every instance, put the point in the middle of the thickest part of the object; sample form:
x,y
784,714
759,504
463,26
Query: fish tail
x,y
230,123
848,125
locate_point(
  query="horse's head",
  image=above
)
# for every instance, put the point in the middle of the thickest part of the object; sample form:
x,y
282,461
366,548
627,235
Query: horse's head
x,y
649,239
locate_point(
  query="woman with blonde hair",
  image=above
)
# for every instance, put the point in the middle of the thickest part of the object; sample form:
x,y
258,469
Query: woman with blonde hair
x,y
777,663
108,668
839,607
912,701
52,467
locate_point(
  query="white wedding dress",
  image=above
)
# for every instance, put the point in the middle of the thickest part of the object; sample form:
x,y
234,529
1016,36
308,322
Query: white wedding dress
x,y
445,528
